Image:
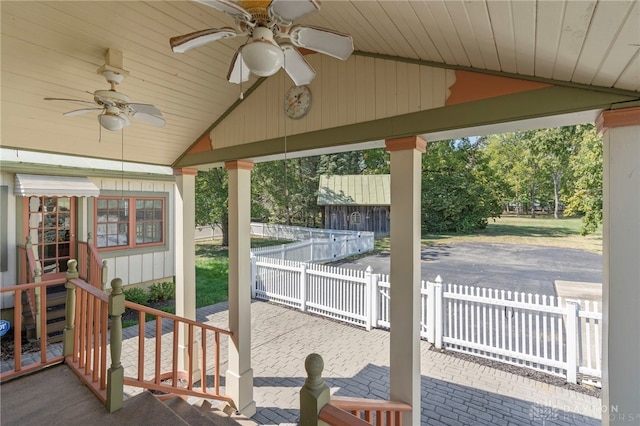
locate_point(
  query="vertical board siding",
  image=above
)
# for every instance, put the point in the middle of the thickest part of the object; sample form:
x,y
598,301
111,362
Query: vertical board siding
x,y
361,89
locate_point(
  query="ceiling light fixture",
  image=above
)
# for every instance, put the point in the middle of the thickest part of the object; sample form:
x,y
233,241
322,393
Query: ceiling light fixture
x,y
112,121
262,55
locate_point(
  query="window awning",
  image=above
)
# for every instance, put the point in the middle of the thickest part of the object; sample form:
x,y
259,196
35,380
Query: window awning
x,y
54,186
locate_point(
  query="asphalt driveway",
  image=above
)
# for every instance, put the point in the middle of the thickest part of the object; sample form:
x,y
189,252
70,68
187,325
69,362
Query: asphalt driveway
x,y
532,269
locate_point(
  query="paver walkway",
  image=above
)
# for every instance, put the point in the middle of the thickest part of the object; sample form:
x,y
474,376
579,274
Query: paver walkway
x,y
454,391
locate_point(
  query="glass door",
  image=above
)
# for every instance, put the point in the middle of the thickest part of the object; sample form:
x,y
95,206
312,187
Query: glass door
x,y
51,223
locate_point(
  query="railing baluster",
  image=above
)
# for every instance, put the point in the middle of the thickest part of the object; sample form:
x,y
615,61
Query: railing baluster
x,y
158,348
217,355
190,351
141,334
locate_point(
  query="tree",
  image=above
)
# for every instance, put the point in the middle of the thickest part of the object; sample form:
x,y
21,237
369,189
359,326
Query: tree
x,y
212,200
586,193
459,189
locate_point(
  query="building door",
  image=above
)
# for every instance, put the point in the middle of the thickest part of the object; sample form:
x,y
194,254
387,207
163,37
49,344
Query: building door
x,y
51,223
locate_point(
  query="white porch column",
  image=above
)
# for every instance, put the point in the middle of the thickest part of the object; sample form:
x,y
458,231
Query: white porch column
x,y
406,167
185,260
239,376
621,266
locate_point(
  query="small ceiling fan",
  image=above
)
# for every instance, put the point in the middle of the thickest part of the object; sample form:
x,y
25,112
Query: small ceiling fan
x,y
115,108
272,38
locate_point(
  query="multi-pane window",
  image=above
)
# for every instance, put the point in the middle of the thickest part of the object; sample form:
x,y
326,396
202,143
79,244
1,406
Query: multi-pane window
x,y
129,222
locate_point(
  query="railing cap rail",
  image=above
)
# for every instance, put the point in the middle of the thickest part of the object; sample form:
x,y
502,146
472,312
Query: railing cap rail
x,y
351,403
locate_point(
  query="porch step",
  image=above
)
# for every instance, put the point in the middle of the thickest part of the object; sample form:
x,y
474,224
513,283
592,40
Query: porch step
x,y
56,299
204,413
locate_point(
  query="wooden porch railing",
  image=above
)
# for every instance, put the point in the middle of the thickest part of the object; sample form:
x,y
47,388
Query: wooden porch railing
x,y
371,411
317,405
85,346
177,381
30,271
91,267
20,369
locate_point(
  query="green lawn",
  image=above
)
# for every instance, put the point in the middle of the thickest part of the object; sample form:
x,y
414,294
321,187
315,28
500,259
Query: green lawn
x,y
541,231
212,270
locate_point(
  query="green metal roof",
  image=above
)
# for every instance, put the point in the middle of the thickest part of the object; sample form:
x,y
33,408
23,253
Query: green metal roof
x,y
354,190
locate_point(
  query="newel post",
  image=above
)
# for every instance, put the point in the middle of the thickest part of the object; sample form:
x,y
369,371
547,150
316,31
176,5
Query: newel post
x,y
115,374
103,277
314,394
70,308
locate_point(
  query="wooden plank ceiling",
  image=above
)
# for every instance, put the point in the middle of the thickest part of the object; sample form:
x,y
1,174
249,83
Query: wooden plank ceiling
x,y
53,49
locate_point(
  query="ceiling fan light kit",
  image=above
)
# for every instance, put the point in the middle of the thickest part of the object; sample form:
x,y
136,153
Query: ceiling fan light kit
x,y
115,107
273,41
262,55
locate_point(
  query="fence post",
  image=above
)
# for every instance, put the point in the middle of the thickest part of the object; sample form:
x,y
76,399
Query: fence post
x,y
115,374
283,249
314,394
438,316
70,308
572,307
313,254
431,312
252,274
303,287
368,295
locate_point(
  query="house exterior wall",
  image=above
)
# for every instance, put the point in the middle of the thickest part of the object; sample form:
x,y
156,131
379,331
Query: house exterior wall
x,y
8,213
133,266
372,218
142,265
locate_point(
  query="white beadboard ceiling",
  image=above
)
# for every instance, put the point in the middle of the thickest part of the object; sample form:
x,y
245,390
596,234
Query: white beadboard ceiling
x,y
53,49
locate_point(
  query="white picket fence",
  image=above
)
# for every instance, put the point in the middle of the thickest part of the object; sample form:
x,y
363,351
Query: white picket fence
x,y
560,337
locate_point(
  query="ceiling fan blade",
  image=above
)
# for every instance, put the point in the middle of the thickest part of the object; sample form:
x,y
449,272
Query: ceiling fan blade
x,y
238,71
297,66
71,100
149,119
287,11
145,108
322,40
183,43
228,7
81,111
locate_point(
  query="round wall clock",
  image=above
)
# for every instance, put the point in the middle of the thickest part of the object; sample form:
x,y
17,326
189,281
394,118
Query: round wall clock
x,y
297,102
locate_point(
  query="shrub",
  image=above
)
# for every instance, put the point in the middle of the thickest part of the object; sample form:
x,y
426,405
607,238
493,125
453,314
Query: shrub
x,y
136,295
162,291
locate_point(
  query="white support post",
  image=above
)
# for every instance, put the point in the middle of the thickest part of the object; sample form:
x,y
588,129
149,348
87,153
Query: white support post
x,y
303,287
185,264
438,316
431,311
404,356
572,309
239,375
620,271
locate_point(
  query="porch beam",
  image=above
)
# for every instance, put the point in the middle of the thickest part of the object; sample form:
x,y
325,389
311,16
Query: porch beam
x,y
406,167
239,376
621,270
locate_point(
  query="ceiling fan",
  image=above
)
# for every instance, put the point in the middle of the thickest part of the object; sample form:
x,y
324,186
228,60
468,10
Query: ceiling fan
x,y
115,108
272,38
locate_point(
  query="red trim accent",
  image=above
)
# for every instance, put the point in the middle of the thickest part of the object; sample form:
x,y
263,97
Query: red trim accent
x,y
471,86
238,164
401,144
203,144
185,172
617,118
